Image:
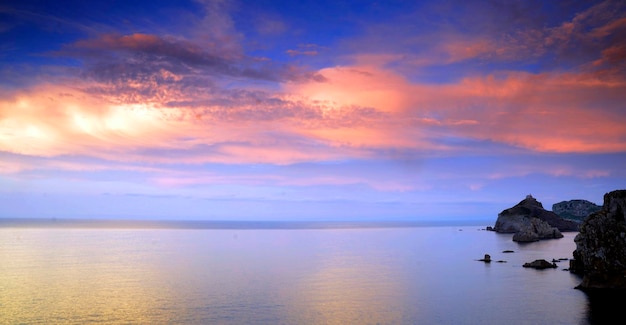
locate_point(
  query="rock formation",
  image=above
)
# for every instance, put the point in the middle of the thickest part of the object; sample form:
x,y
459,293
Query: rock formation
x,y
536,229
576,210
600,254
487,259
531,222
540,264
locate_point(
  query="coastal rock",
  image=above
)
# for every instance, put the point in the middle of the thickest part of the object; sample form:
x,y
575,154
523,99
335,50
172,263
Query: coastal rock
x,y
576,210
531,222
535,230
600,254
540,264
486,259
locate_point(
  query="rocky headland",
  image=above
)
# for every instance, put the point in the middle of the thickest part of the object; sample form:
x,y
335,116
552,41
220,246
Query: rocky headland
x,y
600,254
576,210
529,222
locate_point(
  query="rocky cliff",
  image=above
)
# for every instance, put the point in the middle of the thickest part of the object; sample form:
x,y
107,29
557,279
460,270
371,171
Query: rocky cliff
x,y
531,222
576,210
600,253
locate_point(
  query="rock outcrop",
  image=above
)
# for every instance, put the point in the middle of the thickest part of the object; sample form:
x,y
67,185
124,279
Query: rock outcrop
x,y
531,222
576,210
600,254
540,264
486,259
536,229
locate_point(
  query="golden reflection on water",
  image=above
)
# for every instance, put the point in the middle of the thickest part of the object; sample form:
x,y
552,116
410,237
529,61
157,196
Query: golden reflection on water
x,y
350,289
55,281
219,276
76,276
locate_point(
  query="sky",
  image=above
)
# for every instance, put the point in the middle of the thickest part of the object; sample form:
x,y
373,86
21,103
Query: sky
x,y
308,110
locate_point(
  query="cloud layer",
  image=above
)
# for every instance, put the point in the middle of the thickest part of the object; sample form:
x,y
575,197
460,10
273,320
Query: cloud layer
x,y
451,84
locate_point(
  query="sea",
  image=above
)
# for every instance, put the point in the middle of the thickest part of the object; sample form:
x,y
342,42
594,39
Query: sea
x,y
83,272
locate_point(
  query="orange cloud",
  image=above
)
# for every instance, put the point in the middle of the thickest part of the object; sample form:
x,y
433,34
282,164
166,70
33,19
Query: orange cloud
x,y
55,120
551,113
544,112
136,41
364,86
359,111
60,120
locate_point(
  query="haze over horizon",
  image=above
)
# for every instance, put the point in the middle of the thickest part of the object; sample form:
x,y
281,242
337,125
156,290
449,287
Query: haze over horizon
x,y
308,110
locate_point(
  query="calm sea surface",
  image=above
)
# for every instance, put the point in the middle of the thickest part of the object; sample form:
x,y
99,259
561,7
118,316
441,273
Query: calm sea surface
x,y
282,275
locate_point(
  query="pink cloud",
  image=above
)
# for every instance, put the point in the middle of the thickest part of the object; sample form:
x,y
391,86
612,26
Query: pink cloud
x,y
364,86
300,52
182,179
549,112
60,120
11,167
139,111
544,112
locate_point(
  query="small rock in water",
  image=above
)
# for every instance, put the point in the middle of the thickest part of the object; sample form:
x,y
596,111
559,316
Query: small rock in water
x,y
540,264
487,259
507,251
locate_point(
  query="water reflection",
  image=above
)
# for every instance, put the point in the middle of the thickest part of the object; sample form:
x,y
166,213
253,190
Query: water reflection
x,y
58,276
246,276
350,286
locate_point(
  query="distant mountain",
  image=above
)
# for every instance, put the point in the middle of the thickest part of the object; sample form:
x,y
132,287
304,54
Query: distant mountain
x,y
576,210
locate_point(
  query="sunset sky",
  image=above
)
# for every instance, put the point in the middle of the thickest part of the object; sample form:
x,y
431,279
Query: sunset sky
x,y
300,110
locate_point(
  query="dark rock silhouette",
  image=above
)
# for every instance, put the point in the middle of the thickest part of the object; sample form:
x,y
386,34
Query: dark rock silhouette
x,y
540,264
531,222
600,254
576,210
486,259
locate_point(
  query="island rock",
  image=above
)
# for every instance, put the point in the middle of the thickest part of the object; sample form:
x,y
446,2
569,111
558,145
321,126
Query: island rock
x,y
600,254
540,264
531,222
487,259
576,210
